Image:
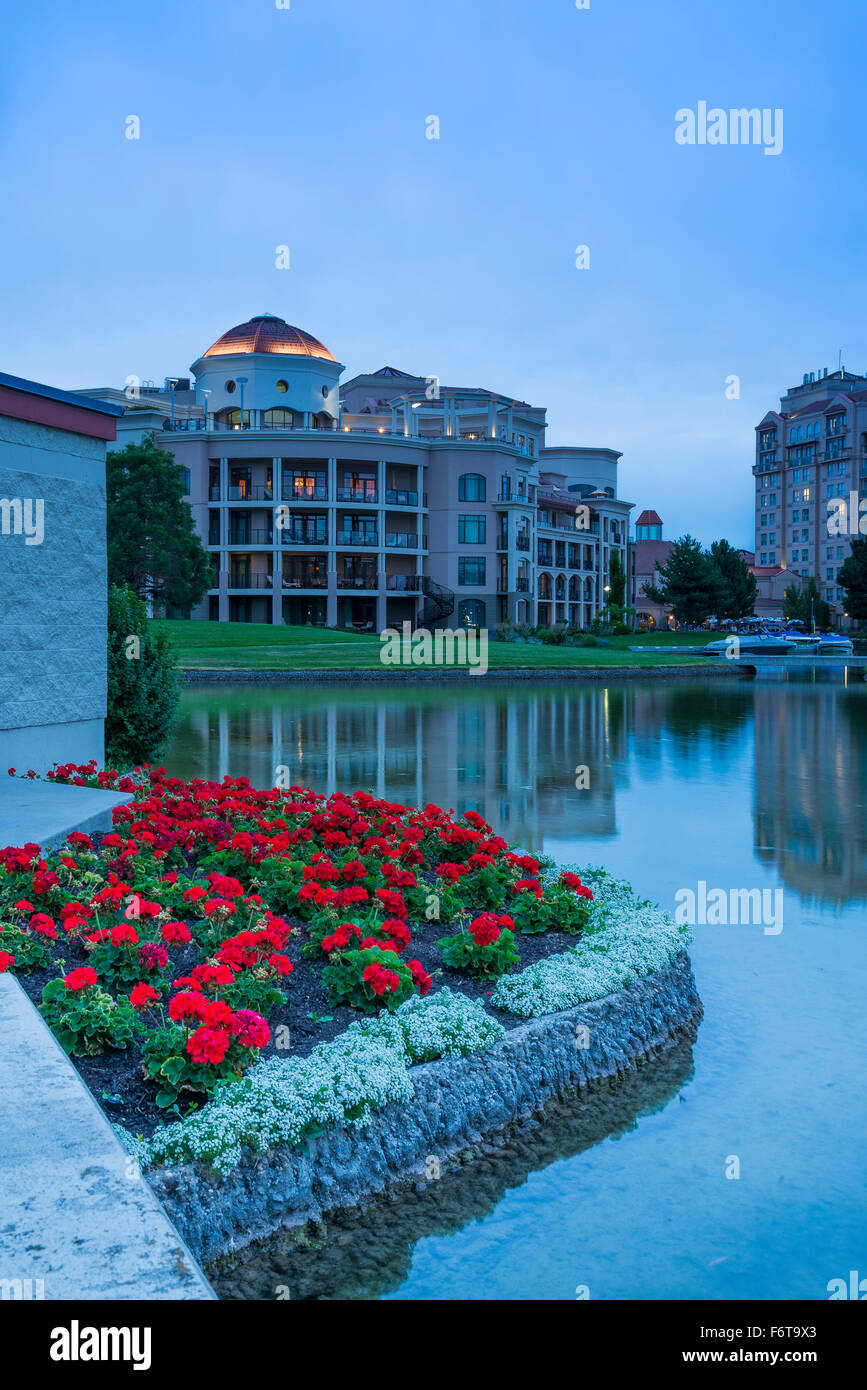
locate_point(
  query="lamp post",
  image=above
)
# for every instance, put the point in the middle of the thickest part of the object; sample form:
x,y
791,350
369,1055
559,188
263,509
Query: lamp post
x,y
173,381
242,382
206,394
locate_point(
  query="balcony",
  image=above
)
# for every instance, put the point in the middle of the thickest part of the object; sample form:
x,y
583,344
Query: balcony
x,y
404,583
214,492
401,540
305,492
357,494
522,542
522,586
358,538
248,492
400,498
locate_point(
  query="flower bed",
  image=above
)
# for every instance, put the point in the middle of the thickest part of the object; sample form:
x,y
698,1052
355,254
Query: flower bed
x,y
253,966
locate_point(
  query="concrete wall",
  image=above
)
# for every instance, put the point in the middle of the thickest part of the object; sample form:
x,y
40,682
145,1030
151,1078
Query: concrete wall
x,y
52,598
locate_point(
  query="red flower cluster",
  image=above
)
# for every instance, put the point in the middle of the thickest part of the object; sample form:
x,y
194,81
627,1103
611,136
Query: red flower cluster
x,y
380,979
82,978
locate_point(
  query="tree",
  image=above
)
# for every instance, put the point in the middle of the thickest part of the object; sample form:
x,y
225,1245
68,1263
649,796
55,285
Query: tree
x,y
152,544
804,602
739,588
690,583
143,690
853,578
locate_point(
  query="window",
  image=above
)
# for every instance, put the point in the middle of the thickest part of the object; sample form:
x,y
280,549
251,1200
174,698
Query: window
x,y
471,612
471,570
472,488
213,527
230,387
471,530
185,475
763,559
282,387
278,419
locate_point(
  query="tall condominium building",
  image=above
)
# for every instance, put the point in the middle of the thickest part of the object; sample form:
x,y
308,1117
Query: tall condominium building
x,y
810,451
385,499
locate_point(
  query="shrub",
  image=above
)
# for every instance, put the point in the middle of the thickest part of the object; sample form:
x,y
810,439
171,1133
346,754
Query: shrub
x,y
143,690
485,950
560,909
370,979
84,1018
203,1049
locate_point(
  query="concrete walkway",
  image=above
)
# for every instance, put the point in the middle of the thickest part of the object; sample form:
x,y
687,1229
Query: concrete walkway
x,y
76,1217
44,813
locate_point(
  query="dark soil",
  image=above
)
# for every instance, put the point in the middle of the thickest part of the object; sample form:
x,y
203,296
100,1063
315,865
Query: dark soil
x,y
116,1079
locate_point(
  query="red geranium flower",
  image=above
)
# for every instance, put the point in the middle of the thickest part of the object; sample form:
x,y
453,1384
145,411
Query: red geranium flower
x,y
208,1046
141,996
82,978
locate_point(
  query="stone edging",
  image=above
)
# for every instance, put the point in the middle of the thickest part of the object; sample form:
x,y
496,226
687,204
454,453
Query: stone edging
x,y
430,676
456,1104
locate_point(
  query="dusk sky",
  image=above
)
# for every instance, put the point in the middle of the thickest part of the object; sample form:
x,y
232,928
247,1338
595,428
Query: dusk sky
x,y
262,127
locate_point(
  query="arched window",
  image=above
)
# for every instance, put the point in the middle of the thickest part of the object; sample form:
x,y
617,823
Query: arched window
x,y
588,589
278,419
472,488
231,419
575,589
560,588
544,586
471,612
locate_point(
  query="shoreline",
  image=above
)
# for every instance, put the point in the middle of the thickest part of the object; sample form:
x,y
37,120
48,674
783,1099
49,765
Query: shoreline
x,y
198,675
457,1104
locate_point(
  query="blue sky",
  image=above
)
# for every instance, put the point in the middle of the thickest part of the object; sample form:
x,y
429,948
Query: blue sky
x,y
453,257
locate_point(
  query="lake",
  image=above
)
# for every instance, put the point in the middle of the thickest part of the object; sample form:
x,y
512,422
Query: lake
x,y
628,1192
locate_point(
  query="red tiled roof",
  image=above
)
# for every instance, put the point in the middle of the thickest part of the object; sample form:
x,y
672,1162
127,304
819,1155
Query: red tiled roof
x,y
649,518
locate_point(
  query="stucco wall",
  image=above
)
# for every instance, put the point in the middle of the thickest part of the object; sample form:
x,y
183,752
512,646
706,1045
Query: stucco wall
x,y
52,599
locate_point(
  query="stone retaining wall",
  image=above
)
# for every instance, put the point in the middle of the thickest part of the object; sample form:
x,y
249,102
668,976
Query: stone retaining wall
x,y
432,676
457,1104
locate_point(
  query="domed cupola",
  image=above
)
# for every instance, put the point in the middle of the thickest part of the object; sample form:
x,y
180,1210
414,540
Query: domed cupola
x,y
270,375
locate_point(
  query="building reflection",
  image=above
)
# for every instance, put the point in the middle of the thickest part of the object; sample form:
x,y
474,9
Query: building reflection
x,y
810,812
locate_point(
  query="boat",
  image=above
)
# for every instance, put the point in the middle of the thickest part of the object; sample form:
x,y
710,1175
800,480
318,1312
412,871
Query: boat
x,y
752,644
833,644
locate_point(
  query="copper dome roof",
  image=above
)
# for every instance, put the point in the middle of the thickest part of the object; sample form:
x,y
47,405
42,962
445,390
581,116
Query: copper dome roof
x,y
267,333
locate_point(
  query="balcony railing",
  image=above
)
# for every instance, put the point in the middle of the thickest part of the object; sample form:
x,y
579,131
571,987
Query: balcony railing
x,y
523,542
294,535
305,492
214,492
306,580
401,540
252,537
358,581
404,583
400,498
522,586
244,580
358,538
248,492
357,494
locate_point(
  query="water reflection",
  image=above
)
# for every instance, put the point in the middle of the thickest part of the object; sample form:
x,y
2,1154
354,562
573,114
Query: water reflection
x,y
512,755
368,1254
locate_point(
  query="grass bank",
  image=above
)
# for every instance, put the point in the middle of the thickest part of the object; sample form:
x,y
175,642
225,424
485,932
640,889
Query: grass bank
x,y
260,646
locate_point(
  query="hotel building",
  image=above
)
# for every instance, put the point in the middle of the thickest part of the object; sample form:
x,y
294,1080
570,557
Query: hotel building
x,y
813,449
384,499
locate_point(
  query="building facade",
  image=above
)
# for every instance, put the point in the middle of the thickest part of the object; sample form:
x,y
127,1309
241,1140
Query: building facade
x,y
809,453
648,551
384,499
53,584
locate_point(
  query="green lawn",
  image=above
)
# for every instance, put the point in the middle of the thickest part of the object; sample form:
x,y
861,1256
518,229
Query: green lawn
x,y
259,646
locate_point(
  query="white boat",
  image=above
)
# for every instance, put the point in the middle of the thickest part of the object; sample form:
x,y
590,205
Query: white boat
x,y
833,643
752,644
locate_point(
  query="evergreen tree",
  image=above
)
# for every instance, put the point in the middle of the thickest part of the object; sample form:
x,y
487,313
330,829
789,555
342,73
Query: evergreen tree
x,y
690,583
804,602
143,690
739,587
853,578
153,546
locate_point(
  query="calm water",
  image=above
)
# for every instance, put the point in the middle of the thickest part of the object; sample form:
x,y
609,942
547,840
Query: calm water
x,y
743,785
